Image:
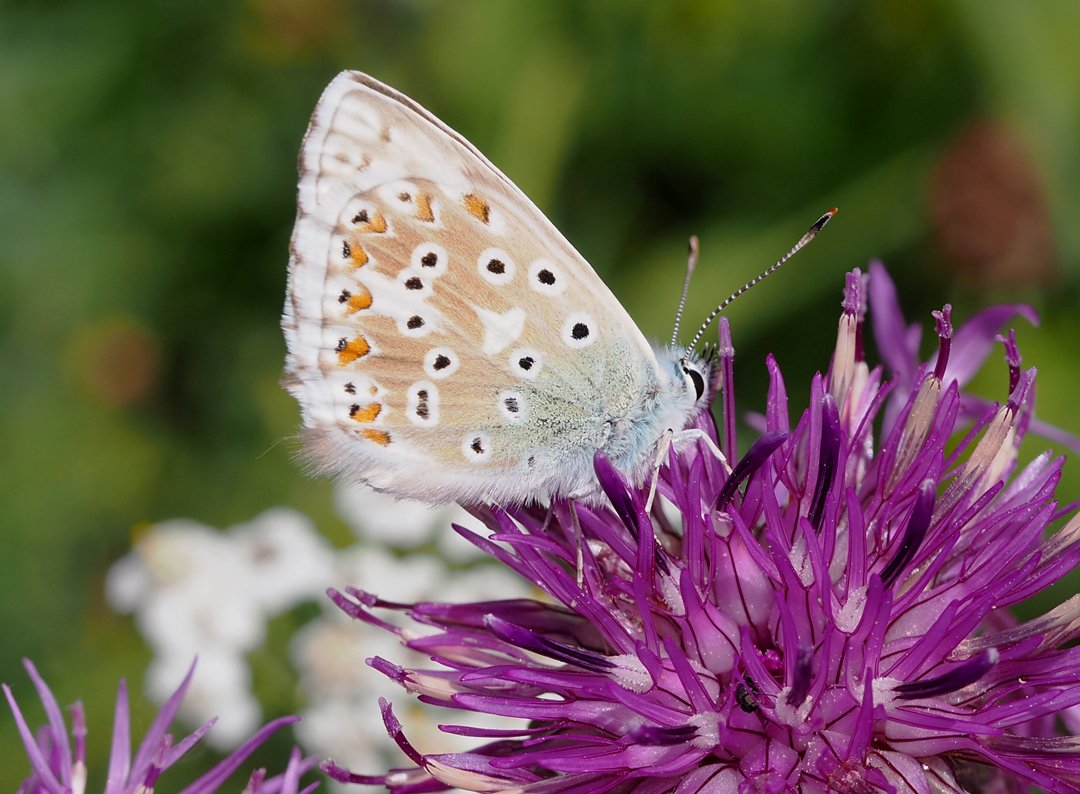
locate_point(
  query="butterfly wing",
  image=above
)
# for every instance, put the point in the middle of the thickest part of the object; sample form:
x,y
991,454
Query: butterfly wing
x,y
444,340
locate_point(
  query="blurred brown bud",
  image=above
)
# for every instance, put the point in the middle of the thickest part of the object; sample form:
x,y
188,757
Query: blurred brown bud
x,y
117,361
989,210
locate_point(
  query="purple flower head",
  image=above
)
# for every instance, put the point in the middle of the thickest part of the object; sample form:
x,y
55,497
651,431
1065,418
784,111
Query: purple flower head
x,y
829,614
58,763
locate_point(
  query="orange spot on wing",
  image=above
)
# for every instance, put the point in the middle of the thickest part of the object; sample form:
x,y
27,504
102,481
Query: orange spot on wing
x,y
376,225
477,207
357,255
366,414
359,301
423,208
380,437
350,351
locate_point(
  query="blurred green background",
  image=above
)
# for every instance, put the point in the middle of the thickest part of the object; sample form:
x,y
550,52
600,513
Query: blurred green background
x,y
147,188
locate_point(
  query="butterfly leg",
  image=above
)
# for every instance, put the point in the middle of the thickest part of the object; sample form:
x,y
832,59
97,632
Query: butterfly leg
x,y
697,434
662,449
547,519
664,446
579,537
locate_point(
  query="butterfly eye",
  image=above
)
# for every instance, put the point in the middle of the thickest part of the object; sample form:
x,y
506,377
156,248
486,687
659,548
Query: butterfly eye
x,y
696,378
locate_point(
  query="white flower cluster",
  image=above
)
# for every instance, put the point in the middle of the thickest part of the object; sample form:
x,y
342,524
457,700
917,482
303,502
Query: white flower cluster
x,y
198,591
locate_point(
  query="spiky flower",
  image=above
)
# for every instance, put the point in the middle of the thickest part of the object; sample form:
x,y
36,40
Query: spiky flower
x,y
56,767
830,614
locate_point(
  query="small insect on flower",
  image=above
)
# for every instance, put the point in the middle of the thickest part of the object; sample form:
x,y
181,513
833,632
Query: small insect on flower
x,y
56,767
446,343
831,615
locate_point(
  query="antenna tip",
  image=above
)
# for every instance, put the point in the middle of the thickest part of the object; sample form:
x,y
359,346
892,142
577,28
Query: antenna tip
x,y
819,224
692,255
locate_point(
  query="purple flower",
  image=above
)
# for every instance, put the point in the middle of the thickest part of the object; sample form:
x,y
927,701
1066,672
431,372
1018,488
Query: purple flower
x,y
56,767
830,614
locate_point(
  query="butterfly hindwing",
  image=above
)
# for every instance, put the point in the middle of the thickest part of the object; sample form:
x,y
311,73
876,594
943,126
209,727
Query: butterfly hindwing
x,y
445,341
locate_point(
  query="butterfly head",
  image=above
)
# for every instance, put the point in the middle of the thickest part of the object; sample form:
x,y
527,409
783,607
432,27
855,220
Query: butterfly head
x,y
689,380
696,370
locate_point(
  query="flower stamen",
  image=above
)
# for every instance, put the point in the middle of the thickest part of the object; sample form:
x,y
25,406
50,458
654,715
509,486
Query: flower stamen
x,y
1012,357
943,326
763,447
913,535
964,675
800,685
661,736
827,461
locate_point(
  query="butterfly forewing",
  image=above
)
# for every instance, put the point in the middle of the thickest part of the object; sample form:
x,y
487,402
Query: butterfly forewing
x,y
445,341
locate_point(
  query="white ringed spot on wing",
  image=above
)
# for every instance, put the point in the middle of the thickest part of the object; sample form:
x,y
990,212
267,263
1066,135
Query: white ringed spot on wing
x,y
429,259
423,404
526,362
495,266
414,325
476,447
579,330
441,362
512,406
414,284
547,278
400,195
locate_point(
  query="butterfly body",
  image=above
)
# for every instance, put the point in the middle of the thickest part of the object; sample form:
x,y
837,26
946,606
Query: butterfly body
x,y
445,341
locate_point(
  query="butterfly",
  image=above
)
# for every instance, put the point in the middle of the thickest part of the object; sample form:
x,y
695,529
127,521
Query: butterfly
x,y
445,341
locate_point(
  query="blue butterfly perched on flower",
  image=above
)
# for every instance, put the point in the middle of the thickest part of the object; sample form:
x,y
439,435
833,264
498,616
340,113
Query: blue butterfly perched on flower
x,y
446,343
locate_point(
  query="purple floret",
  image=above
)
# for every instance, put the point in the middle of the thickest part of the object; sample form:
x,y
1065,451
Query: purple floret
x,y
830,614
58,768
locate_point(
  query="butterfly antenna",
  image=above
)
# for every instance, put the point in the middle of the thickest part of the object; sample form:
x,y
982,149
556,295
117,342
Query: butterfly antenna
x,y
691,263
811,233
